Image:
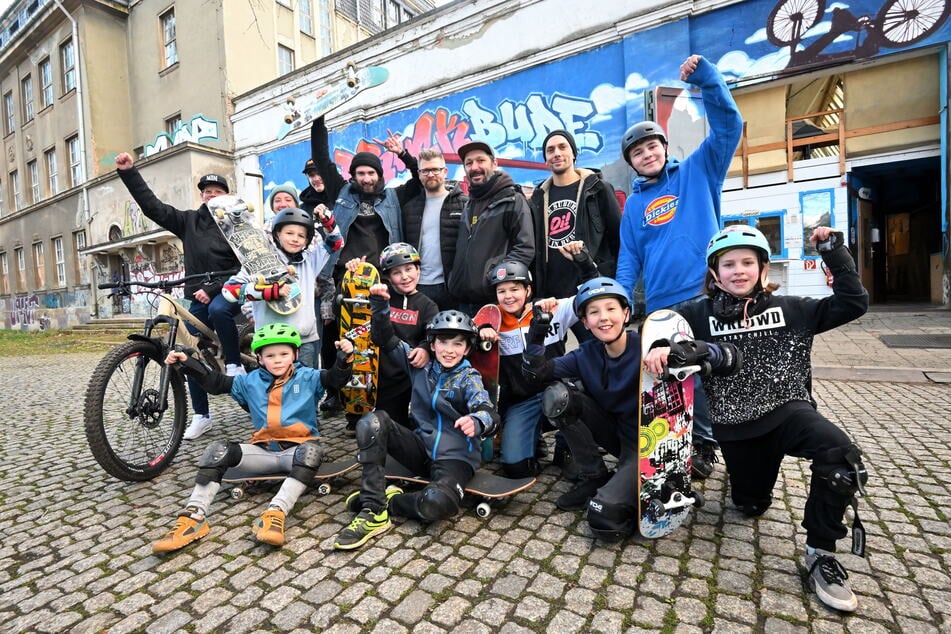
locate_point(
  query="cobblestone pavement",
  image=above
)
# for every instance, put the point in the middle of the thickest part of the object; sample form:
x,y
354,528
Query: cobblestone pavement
x,y
75,553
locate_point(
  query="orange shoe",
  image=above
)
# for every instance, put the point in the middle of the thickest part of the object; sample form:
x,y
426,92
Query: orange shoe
x,y
269,528
187,529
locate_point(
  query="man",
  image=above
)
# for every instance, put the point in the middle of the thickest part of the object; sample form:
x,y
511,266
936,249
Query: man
x,y
315,193
431,224
572,204
205,250
673,209
496,227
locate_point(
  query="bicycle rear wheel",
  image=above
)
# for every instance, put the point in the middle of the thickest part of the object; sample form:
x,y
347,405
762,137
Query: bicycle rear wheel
x,y
134,440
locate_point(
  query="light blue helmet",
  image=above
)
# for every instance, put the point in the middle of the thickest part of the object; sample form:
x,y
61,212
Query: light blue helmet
x,y
599,288
738,237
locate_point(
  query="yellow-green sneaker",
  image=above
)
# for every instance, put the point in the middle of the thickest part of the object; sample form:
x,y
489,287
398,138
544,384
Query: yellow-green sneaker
x,y
188,528
364,526
269,528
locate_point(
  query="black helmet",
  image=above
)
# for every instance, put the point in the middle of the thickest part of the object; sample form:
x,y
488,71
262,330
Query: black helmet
x,y
213,179
451,322
639,132
293,216
397,254
510,272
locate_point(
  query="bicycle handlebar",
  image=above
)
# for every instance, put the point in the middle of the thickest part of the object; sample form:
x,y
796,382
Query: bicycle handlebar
x,y
167,284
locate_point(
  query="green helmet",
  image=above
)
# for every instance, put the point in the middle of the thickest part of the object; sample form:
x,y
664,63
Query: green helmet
x,y
738,237
275,333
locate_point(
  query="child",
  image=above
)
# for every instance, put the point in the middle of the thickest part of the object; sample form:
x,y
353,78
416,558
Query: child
x,y
520,400
293,232
452,411
606,413
281,396
410,311
766,411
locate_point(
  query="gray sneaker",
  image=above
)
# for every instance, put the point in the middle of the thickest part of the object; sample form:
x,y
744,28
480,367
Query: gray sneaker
x,y
828,578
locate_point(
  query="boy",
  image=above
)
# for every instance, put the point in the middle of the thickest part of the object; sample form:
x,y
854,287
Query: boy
x,y
452,411
293,232
606,413
410,311
281,396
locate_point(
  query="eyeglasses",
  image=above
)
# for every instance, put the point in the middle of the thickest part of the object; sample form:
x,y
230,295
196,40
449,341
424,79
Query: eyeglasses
x,y
432,171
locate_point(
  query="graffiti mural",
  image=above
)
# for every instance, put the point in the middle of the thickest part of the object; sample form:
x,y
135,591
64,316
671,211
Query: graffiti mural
x,y
196,130
133,220
23,314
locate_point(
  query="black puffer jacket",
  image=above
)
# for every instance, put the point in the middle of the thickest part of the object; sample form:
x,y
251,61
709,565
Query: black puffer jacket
x,y
449,217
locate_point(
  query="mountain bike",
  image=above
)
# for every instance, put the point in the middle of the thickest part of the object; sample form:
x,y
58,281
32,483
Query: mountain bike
x,y
136,407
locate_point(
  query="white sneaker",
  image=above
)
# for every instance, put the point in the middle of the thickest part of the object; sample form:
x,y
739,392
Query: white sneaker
x,y
200,424
829,580
234,369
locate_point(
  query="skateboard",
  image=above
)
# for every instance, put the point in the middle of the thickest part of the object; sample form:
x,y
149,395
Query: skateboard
x,y
359,394
665,433
326,474
485,358
486,489
301,111
258,254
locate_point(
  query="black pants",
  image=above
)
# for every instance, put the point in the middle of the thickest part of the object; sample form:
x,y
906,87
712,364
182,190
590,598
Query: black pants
x,y
753,466
394,398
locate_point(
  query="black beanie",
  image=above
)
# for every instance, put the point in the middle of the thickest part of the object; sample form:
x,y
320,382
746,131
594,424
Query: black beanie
x,y
366,159
564,133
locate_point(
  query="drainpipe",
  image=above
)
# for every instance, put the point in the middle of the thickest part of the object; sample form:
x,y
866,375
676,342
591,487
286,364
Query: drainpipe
x,y
943,96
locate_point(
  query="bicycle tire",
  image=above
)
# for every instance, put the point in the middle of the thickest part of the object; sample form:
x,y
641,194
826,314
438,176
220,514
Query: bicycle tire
x,y
791,19
139,447
902,23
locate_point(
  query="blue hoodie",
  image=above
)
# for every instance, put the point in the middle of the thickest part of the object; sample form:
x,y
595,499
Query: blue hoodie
x,y
667,223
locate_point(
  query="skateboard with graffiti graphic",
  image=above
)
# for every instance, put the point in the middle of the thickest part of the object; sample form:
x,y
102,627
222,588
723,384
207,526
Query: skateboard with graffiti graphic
x,y
359,394
327,474
258,254
302,110
665,432
485,358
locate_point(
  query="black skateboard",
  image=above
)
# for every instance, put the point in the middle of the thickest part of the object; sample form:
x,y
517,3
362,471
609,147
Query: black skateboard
x,y
326,473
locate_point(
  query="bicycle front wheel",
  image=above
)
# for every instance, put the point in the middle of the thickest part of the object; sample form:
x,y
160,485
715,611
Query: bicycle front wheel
x,y
905,22
130,435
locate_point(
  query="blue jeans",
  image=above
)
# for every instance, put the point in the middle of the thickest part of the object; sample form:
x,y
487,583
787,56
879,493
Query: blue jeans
x,y
702,427
521,427
218,315
309,354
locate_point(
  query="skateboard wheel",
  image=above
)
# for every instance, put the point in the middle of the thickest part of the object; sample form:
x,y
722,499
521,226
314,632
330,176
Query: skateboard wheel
x,y
698,499
220,213
657,509
324,488
250,206
291,270
483,510
486,345
290,101
288,118
237,493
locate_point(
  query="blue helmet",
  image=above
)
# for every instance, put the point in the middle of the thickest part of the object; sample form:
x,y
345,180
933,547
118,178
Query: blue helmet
x,y
598,288
738,237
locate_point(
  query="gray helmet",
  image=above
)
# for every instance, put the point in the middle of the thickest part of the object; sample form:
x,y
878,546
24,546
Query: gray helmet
x,y
639,132
293,216
451,322
510,272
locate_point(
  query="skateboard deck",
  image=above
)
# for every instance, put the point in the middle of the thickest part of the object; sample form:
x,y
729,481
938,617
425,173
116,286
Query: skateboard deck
x,y
485,358
665,435
359,394
302,110
484,487
326,473
259,256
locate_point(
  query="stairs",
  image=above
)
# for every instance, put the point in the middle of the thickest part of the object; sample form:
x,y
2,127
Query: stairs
x,y
113,330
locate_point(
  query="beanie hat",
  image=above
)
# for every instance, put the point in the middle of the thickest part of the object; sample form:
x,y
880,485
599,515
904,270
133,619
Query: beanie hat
x,y
287,189
568,137
366,159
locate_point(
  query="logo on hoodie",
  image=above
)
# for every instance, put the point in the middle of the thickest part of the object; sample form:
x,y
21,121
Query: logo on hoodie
x,y
661,211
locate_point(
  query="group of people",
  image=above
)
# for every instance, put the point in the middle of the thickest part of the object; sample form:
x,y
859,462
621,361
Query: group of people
x,y
565,259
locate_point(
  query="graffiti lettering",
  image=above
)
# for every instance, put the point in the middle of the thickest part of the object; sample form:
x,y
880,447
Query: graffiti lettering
x,y
134,221
24,310
195,130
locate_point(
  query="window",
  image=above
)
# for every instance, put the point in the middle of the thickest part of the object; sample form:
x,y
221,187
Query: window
x,y
60,255
46,83
392,14
326,34
68,56
9,115
4,274
285,60
52,171
172,124
1,198
305,16
34,171
75,162
39,266
79,244
21,268
168,38
770,223
26,92
15,183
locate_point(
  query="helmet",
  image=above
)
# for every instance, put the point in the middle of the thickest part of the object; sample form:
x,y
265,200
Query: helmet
x,y
510,272
293,216
451,322
599,288
735,237
213,179
275,333
397,254
637,133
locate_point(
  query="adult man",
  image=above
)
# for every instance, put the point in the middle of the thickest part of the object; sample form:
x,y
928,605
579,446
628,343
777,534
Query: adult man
x,y
431,224
572,204
496,227
673,210
315,193
205,250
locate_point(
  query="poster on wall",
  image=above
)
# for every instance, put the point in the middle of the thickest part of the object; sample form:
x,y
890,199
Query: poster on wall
x,y
817,211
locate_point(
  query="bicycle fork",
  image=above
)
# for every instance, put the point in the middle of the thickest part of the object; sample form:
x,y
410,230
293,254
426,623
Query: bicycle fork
x,y
137,404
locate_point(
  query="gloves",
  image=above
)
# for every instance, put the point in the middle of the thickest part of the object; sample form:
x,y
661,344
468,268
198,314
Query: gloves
x,y
538,329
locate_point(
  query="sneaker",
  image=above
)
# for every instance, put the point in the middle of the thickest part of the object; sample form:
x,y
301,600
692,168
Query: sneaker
x,y
234,369
188,527
364,526
331,404
577,498
269,528
704,457
353,504
200,424
828,578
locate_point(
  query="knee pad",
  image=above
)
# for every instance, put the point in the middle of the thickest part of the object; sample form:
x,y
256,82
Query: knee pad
x,y
527,468
371,432
843,470
437,502
218,457
559,403
610,522
307,459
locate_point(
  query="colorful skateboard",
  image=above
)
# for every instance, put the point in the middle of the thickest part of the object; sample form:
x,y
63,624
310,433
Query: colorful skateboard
x,y
665,434
303,110
326,474
359,394
485,358
487,489
258,254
